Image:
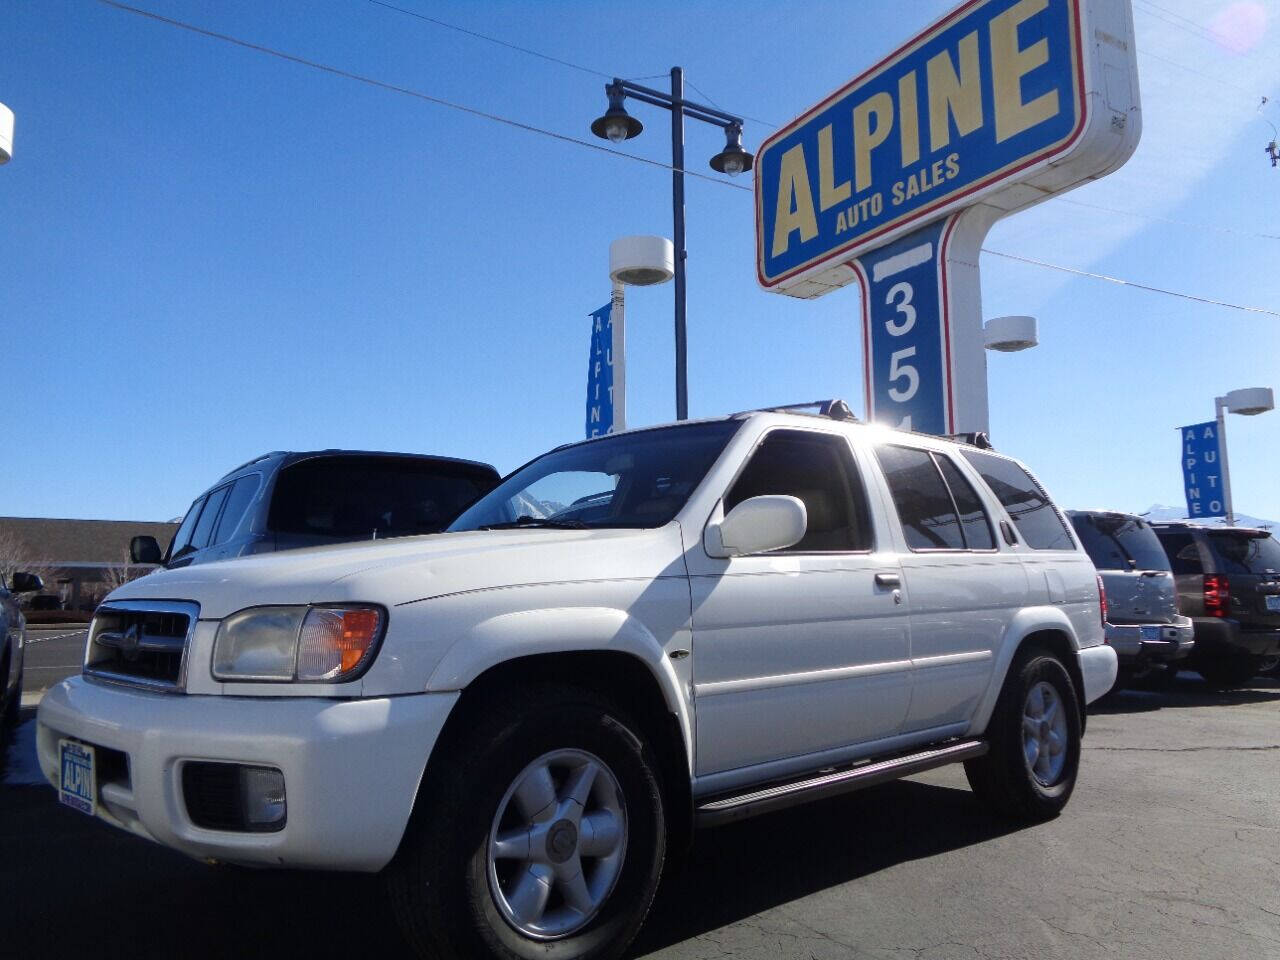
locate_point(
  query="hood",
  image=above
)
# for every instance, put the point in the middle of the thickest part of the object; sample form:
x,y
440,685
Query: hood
x,y
393,572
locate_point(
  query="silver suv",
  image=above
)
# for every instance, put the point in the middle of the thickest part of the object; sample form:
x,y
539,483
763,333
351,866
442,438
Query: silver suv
x,y
1143,623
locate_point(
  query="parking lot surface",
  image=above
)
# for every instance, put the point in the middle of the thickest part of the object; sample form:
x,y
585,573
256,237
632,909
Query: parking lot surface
x,y
52,653
1169,848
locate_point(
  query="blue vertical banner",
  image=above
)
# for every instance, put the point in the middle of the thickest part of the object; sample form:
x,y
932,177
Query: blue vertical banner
x,y
600,373
1202,470
906,342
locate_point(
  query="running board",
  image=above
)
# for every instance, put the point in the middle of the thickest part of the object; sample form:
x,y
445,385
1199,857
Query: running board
x,y
724,810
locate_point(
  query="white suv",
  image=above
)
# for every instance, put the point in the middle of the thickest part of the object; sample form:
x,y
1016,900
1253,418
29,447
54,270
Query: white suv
x,y
628,638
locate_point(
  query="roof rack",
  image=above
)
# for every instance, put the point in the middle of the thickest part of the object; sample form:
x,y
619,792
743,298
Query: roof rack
x,y
975,439
834,409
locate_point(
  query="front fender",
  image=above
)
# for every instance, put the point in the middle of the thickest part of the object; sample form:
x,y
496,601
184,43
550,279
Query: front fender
x,y
1026,622
527,633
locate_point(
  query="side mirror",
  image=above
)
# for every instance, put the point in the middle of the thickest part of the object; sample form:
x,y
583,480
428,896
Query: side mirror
x,y
757,525
27,583
144,550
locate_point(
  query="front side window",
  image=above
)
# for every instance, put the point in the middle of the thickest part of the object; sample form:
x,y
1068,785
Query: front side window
x,y
1119,542
208,516
1030,508
817,469
182,539
639,479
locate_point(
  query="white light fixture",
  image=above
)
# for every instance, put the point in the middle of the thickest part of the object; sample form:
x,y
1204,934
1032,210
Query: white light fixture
x,y
6,133
1250,401
1010,334
641,261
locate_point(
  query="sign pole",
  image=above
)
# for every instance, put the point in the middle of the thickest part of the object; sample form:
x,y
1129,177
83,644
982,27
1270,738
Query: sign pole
x,y
618,358
1219,407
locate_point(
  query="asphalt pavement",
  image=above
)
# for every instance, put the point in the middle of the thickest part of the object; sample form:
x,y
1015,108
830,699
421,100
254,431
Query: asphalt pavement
x,y
52,654
1170,847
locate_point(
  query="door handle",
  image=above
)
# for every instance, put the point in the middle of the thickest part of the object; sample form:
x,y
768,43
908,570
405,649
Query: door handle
x,y
888,580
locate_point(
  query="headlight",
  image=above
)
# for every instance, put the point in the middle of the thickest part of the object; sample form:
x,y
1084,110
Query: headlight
x,y
330,644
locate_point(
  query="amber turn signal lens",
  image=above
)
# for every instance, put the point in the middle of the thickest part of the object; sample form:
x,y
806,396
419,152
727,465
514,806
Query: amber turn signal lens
x,y
337,641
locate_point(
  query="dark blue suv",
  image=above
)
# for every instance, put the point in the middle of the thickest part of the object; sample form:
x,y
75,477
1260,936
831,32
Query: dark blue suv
x,y
284,500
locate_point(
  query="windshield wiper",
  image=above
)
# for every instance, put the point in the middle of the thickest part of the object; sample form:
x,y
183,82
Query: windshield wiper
x,y
536,522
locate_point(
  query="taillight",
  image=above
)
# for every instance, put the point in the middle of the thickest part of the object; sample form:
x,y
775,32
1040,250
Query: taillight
x,y
1102,599
1217,595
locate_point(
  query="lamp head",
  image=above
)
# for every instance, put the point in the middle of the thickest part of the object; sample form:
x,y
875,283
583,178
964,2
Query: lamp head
x,y
1250,401
733,159
616,125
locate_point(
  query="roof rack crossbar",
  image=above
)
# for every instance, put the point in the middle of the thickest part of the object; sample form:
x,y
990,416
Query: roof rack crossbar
x,y
835,409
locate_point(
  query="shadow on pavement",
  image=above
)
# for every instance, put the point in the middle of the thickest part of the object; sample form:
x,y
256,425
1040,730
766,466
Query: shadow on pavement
x,y
740,870
1188,690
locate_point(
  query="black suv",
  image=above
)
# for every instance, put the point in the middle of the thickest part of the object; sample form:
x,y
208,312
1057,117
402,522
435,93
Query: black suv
x,y
285,500
1229,584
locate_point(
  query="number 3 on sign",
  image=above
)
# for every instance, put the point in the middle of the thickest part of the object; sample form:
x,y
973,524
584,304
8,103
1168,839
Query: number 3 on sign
x,y
897,327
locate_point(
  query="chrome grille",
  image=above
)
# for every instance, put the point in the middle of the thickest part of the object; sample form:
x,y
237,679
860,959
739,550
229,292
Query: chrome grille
x,y
141,642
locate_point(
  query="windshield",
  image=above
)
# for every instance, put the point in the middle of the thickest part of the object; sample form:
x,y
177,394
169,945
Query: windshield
x,y
1241,553
1118,542
631,480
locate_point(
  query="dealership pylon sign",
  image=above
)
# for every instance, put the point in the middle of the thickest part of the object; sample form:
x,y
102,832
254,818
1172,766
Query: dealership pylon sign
x,y
894,180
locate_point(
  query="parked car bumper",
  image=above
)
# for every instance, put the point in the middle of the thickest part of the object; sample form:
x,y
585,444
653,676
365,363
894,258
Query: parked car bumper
x,y
1219,636
351,767
1138,645
1098,667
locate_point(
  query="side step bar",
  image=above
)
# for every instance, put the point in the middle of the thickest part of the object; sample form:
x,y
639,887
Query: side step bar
x,y
724,810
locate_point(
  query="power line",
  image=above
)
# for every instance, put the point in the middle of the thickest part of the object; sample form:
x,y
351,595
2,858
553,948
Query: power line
x,y
484,36
1129,283
417,94
1178,223
537,53
564,138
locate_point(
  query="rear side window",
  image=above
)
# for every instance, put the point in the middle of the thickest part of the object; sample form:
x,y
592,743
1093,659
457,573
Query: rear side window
x,y
1029,506
361,498
1238,553
242,492
1183,552
936,513
1119,542
819,470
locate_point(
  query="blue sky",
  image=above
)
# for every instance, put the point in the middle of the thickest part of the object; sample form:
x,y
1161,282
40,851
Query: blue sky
x,y
207,253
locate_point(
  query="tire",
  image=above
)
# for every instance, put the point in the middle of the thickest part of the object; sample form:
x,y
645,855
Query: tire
x,y
1269,665
454,899
1230,671
1037,685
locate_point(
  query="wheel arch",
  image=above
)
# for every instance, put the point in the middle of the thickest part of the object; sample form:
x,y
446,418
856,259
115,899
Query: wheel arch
x,y
1049,629
622,677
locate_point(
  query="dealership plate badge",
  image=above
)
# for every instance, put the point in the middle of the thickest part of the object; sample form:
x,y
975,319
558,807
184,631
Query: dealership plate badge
x,y
77,781
1150,631
1273,602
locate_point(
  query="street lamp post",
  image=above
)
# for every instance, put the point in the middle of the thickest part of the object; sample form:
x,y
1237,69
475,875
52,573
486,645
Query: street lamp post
x,y
617,125
1248,402
636,262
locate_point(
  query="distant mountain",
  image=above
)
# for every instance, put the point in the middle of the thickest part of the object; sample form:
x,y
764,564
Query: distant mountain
x,y
1159,511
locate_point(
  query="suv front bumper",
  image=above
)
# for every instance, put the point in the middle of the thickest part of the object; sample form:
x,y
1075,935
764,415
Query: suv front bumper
x,y
351,767
1175,641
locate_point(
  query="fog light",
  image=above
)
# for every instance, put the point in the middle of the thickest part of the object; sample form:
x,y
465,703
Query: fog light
x,y
262,797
